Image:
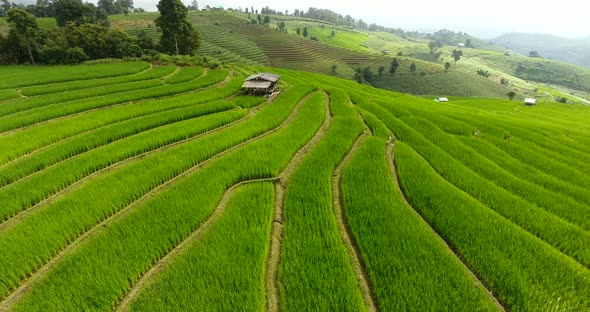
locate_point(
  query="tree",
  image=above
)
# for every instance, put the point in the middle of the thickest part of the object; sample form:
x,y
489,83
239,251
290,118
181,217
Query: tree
x,y
108,6
124,6
332,34
534,54
305,33
144,40
26,29
468,43
259,18
413,67
195,6
362,25
358,75
4,7
394,66
433,46
368,74
282,25
457,54
334,67
69,11
298,31
178,34
79,13
447,66
381,70
511,95
266,19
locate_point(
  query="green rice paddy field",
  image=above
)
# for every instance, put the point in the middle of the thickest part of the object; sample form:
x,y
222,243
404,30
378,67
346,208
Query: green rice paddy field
x,y
133,187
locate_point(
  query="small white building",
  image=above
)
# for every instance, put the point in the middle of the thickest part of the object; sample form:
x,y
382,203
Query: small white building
x,y
441,99
461,45
530,101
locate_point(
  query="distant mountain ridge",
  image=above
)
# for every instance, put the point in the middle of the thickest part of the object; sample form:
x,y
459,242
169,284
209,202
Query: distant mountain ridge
x,y
575,51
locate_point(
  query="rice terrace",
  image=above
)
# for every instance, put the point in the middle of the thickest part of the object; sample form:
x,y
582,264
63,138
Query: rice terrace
x,y
258,181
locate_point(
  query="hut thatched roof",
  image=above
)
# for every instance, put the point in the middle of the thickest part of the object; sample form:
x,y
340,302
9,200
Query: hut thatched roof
x,y
264,76
256,84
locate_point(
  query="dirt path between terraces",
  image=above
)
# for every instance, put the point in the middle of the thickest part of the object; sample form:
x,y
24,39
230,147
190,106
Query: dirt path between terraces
x,y
354,253
21,290
87,179
271,276
389,151
149,276
72,187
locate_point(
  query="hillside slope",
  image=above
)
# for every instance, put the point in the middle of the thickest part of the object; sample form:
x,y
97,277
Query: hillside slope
x,y
148,188
574,51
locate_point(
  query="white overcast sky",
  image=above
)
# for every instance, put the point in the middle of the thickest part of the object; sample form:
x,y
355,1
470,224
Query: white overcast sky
x,y
487,19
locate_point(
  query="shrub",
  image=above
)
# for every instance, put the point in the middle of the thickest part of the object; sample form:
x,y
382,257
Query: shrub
x,y
75,56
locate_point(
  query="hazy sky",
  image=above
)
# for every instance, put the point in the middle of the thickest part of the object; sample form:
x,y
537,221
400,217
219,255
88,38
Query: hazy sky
x,y
568,18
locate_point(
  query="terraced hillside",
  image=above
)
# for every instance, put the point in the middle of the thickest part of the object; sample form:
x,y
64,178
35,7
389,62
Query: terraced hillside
x,y
133,187
229,37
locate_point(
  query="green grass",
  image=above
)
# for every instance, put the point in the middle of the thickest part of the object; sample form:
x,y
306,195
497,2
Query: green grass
x,y
506,257
185,74
262,159
240,238
9,110
503,184
26,141
57,177
542,70
315,272
22,76
59,109
152,73
393,242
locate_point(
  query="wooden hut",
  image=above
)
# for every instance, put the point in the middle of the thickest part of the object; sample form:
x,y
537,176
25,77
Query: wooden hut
x,y
261,84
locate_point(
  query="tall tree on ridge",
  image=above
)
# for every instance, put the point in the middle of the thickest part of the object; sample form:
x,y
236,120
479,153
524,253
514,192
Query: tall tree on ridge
x,y
178,34
26,29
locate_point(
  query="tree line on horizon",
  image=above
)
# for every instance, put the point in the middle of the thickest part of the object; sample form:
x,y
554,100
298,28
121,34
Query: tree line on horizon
x,y
51,8
84,33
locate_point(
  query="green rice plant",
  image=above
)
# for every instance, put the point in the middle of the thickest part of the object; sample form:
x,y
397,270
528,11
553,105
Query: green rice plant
x,y
30,191
130,245
393,242
522,271
521,169
315,273
228,261
151,73
43,233
377,127
529,152
40,114
8,94
26,104
247,101
185,74
341,101
564,236
558,204
567,150
22,76
27,140
106,135
474,138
